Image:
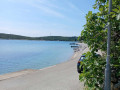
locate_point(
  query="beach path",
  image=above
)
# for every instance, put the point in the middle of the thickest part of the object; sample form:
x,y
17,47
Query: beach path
x,y
63,76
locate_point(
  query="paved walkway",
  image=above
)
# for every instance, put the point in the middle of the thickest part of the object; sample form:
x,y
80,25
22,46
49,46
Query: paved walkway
x,y
63,76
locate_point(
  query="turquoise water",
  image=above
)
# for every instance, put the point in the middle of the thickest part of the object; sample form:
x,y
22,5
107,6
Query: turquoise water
x,y
17,55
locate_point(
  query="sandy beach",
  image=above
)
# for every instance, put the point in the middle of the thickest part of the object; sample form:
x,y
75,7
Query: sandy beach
x,y
62,76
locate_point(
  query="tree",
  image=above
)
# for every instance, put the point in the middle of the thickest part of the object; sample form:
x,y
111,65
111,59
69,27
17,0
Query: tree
x,y
95,35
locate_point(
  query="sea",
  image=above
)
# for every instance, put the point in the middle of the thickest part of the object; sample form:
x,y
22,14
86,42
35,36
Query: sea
x,y
16,55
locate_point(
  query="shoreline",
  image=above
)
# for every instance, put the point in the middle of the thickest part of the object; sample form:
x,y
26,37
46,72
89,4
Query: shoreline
x,y
50,77
27,71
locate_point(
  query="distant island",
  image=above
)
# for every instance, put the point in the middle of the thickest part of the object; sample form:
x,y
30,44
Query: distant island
x,y
47,38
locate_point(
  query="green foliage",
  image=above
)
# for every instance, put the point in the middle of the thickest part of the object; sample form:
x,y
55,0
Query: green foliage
x,y
57,38
49,38
95,35
80,39
93,32
11,36
93,71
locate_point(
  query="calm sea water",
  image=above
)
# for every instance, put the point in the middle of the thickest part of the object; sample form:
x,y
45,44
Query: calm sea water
x,y
17,55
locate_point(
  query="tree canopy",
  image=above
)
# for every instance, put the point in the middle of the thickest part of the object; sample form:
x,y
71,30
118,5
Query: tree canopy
x,y
95,35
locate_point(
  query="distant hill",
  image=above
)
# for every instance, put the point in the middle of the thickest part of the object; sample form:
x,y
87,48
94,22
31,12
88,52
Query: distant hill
x,y
49,38
12,36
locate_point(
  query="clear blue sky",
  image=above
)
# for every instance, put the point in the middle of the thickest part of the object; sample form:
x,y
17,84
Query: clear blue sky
x,y
44,17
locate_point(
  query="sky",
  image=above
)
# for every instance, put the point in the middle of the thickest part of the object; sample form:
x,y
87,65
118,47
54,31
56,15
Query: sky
x,y
44,17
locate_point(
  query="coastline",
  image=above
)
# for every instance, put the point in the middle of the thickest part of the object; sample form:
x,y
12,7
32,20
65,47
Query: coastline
x,y
19,55
27,71
54,69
